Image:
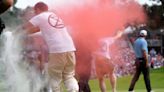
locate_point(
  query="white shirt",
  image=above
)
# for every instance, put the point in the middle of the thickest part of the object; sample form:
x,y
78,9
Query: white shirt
x,y
54,32
105,44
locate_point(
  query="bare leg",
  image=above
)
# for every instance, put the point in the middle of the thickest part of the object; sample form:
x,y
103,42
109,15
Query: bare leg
x,y
102,84
113,80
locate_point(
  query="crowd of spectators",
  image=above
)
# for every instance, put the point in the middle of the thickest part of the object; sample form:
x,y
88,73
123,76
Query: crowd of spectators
x,y
124,59
156,60
124,62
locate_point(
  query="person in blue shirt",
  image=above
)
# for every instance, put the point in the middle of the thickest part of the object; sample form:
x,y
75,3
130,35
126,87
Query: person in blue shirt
x,y
141,53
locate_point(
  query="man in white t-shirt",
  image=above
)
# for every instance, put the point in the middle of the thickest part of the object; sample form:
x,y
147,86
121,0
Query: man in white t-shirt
x,y
103,62
61,64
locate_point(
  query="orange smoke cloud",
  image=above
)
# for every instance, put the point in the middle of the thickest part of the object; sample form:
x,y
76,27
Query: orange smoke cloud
x,y
93,20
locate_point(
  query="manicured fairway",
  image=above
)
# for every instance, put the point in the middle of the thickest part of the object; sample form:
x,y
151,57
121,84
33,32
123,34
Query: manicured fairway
x,y
157,81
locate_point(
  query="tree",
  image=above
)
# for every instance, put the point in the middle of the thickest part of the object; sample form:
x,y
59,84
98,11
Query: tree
x,y
155,15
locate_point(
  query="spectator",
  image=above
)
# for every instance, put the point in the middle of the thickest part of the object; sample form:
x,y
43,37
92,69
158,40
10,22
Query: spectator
x,y
153,58
158,62
153,52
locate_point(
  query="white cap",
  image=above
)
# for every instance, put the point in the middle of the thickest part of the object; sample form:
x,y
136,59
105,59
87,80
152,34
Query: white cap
x,y
143,33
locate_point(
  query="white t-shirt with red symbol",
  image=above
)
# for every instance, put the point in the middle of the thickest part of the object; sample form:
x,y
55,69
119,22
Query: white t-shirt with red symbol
x,y
54,32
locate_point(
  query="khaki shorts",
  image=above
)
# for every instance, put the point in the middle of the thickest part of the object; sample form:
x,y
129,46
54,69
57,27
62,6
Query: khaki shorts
x,y
61,67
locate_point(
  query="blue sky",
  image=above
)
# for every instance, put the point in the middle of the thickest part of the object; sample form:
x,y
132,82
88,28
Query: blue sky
x,y
24,3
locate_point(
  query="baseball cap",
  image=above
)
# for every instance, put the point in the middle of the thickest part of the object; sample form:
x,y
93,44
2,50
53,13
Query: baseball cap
x,y
143,33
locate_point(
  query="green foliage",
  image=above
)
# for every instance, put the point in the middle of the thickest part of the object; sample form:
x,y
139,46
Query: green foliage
x,y
155,15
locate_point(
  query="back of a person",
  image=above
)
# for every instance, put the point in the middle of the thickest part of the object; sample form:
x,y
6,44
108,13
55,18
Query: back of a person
x,y
61,63
54,32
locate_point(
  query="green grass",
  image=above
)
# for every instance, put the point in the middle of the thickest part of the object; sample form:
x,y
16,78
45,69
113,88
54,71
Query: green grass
x,y
157,82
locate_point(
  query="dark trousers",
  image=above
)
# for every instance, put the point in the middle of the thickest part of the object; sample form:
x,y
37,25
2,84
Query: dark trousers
x,y
84,76
84,86
141,67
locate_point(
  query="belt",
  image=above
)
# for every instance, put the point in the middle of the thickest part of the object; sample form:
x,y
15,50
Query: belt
x,y
140,58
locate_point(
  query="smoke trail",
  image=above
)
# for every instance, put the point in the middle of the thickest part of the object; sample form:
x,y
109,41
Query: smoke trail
x,y
19,76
